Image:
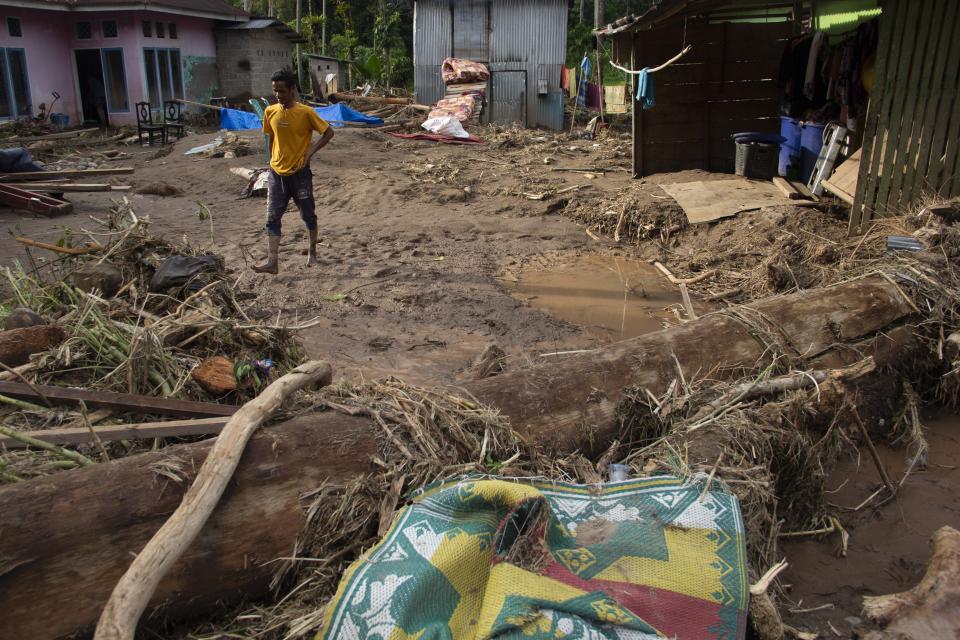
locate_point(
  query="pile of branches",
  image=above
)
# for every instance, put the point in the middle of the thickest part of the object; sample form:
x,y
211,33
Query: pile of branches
x,y
133,340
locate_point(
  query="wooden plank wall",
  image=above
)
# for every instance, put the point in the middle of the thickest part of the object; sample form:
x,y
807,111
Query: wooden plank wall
x,y
726,84
912,129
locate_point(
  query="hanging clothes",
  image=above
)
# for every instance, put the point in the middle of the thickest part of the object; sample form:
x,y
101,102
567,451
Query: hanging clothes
x,y
645,89
582,82
817,47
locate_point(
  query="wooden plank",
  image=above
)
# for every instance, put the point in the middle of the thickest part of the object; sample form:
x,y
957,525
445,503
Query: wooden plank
x,y
66,173
878,114
911,51
67,186
31,201
55,136
114,432
709,201
933,148
843,182
786,188
918,91
838,191
119,401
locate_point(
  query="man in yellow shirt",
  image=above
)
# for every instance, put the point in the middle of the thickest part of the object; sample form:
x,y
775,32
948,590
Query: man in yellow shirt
x,y
290,126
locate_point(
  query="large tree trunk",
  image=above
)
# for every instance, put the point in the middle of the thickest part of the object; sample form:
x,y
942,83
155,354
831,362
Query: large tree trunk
x,y
65,540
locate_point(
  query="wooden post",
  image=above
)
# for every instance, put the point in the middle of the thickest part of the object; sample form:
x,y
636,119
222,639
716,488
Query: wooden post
x,y
637,113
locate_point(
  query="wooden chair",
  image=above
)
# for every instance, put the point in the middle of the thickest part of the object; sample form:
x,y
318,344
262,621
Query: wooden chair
x,y
173,119
259,107
146,125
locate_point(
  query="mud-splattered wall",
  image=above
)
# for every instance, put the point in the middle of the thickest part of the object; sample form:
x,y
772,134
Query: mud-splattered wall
x,y
200,78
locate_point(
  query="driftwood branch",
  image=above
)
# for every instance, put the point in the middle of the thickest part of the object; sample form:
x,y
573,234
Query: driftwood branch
x,y
666,64
133,592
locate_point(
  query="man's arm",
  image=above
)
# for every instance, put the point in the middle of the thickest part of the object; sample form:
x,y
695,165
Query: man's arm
x,y
318,144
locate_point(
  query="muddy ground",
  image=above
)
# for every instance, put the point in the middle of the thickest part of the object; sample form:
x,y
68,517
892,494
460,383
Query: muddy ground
x,y
431,252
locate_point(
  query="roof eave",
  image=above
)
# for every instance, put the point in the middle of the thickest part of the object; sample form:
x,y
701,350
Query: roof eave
x,y
139,6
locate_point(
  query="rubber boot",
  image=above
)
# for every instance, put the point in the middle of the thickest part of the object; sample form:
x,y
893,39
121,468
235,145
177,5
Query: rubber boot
x,y
312,249
272,265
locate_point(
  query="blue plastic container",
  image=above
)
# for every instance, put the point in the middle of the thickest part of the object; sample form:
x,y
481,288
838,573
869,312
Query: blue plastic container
x,y
789,150
59,120
811,141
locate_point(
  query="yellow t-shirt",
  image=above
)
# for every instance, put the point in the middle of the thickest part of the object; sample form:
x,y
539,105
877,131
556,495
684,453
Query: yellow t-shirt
x,y
292,131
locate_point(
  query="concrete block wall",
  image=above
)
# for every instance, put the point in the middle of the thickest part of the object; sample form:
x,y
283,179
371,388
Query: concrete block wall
x,y
247,58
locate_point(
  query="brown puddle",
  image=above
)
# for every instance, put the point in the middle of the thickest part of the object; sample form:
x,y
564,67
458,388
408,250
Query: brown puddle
x,y
611,298
889,547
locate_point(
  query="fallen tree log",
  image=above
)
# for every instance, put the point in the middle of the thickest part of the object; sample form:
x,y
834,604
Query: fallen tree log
x,y
132,594
68,538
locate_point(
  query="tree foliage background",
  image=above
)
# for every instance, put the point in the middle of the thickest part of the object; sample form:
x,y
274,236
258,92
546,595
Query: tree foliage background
x,y
377,35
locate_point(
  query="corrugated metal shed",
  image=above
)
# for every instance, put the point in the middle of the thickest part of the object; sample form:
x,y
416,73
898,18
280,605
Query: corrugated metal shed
x,y
526,36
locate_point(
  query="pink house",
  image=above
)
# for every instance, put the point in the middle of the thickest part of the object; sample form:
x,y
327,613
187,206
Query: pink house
x,y
104,56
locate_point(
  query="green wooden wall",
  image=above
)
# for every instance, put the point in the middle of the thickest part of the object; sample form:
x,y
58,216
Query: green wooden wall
x,y
912,128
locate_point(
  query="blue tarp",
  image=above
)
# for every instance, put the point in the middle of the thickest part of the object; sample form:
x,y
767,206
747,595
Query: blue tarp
x,y
342,113
233,120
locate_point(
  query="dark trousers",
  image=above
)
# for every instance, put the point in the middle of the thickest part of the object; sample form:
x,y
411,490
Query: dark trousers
x,y
280,189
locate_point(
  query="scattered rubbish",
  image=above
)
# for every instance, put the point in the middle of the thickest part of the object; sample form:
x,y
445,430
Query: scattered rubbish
x,y
17,161
215,375
435,137
904,243
446,126
183,272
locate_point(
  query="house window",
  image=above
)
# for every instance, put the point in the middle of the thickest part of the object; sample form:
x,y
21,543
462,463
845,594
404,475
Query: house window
x,y
84,30
172,30
159,30
115,79
14,28
109,28
14,92
147,29
164,75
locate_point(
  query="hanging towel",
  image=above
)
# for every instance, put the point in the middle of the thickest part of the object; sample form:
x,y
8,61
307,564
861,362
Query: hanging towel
x,y
645,89
582,83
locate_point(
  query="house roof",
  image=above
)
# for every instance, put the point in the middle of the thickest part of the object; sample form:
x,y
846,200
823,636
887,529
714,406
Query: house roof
x,y
267,23
214,9
318,56
664,10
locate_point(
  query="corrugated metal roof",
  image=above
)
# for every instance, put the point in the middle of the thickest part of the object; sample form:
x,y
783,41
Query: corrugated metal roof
x,y
268,23
217,8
